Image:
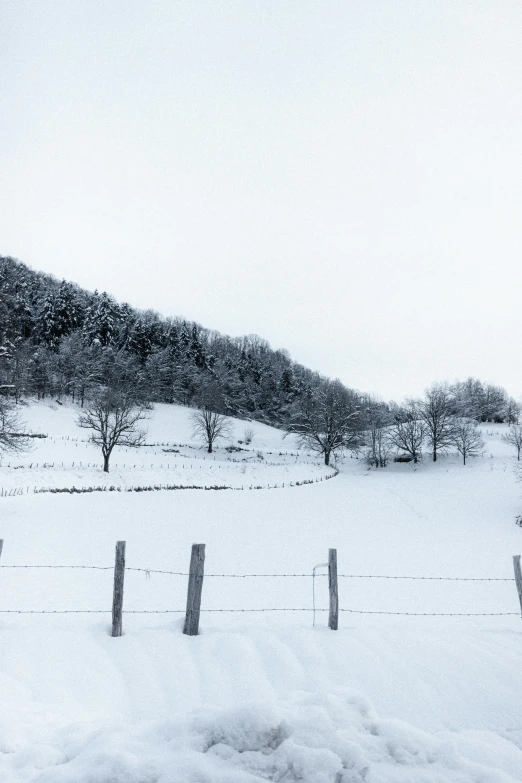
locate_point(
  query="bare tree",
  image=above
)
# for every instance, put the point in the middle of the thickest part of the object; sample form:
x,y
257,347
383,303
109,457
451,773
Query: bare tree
x,y
514,437
209,422
210,425
378,446
467,438
436,413
14,438
407,430
327,420
512,411
114,418
248,435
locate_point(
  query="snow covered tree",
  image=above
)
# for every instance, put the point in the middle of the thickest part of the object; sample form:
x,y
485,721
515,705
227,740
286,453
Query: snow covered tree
x,y
122,372
101,320
195,350
114,418
160,374
139,341
184,339
80,366
207,422
286,384
512,411
39,366
60,314
436,412
467,438
468,398
376,439
327,419
13,434
14,366
407,430
479,401
494,403
514,438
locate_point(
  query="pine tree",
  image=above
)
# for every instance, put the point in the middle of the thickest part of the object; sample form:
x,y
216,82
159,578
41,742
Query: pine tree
x,y
196,352
101,320
140,342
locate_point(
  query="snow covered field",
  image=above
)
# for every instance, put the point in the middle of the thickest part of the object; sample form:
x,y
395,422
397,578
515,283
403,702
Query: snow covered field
x,y
66,458
259,695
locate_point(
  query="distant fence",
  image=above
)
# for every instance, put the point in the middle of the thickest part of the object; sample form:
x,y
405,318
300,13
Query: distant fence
x,y
17,491
196,577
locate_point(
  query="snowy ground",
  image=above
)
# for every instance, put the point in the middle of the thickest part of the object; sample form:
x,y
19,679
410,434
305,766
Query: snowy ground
x,y
171,456
261,696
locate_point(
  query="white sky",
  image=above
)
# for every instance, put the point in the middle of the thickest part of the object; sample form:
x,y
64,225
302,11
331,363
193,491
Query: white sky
x,y
341,178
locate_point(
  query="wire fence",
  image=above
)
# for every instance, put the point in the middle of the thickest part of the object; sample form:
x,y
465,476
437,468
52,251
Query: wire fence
x,y
247,611
280,575
88,489
332,576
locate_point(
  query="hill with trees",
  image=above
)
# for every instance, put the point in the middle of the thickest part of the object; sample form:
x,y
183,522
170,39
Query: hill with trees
x,y
59,340
56,339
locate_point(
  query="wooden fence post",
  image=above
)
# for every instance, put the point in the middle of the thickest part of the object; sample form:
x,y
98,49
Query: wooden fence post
x,y
518,577
195,587
117,599
1,546
333,618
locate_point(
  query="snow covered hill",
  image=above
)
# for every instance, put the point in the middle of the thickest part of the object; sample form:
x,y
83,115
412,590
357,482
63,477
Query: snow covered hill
x,y
258,695
172,456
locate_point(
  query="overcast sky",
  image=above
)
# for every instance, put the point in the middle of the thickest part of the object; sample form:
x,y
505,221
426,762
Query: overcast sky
x,y
342,178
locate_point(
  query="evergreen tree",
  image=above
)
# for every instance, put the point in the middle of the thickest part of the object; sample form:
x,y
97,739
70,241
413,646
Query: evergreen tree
x,y
140,342
195,351
101,320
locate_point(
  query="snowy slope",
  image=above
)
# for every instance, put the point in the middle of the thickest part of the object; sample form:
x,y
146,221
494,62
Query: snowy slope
x,y
263,696
172,457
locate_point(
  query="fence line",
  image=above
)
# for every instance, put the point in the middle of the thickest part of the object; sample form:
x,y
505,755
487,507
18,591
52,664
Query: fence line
x,y
195,587
247,611
264,576
434,614
16,491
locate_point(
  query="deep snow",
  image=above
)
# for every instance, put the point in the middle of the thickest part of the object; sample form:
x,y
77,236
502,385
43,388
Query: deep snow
x,y
262,696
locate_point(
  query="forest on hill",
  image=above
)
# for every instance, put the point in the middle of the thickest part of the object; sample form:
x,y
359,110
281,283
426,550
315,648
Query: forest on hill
x,y
56,339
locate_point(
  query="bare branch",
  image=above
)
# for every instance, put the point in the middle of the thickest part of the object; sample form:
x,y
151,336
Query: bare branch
x,y
407,430
210,425
327,420
514,438
467,438
14,439
113,418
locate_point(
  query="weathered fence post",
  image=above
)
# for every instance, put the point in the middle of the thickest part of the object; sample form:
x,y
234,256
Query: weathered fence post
x,y
117,599
333,618
195,587
518,577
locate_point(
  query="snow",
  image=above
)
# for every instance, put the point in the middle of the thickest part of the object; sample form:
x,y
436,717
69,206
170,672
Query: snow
x,y
261,696
66,458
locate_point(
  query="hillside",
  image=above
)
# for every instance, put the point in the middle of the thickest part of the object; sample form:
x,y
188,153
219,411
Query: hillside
x,y
58,340
172,456
258,695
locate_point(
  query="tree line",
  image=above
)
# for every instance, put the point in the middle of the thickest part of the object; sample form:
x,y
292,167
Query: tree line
x,y
59,340
332,419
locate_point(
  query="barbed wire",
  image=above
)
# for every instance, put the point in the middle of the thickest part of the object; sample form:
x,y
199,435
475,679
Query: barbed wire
x,y
146,611
284,609
96,568
434,614
430,578
264,576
